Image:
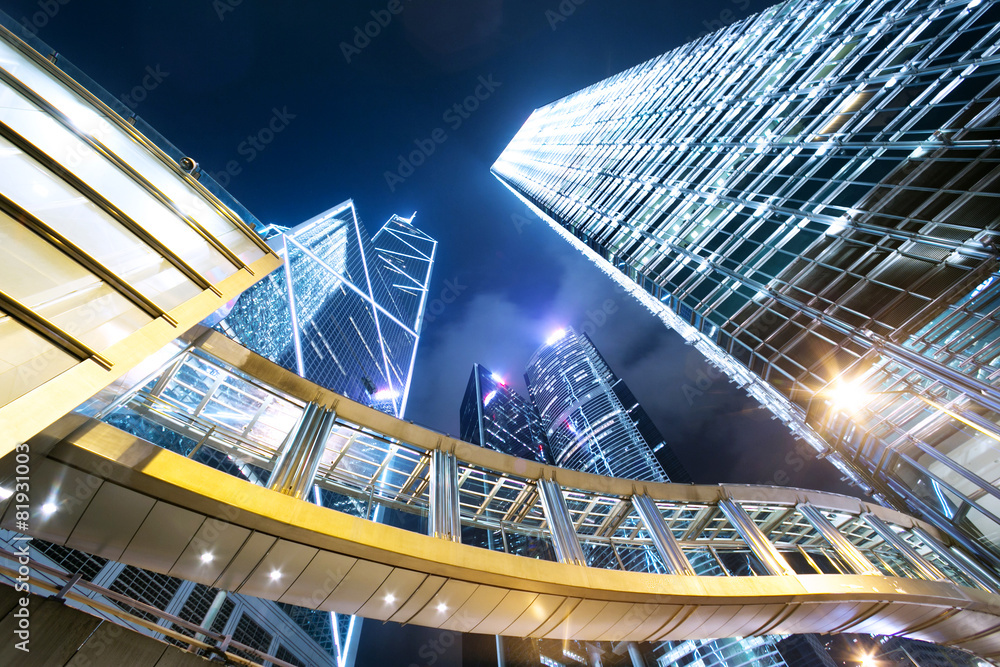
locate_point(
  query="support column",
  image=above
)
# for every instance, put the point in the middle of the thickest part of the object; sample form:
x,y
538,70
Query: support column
x,y
295,469
561,527
960,562
924,567
843,547
445,521
761,547
635,654
212,614
663,540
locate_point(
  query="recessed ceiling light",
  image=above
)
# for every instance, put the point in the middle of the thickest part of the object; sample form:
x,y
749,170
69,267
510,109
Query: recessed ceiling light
x,y
207,557
275,575
49,508
389,598
442,606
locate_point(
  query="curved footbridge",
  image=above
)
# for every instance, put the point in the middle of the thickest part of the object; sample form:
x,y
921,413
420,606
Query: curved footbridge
x,y
548,553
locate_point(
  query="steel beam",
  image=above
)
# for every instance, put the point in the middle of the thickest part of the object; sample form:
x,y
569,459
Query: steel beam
x,y
663,540
564,538
445,521
922,565
845,550
761,547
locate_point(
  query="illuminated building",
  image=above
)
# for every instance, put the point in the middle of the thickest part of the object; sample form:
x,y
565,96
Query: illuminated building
x,y
494,415
591,420
115,244
810,198
347,310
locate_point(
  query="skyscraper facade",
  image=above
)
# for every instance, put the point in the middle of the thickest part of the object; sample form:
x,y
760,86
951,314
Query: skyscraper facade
x,y
809,196
587,424
347,310
594,423
114,237
495,416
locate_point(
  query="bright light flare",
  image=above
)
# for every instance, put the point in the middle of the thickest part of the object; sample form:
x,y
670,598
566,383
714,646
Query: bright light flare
x,y
868,661
556,336
275,575
389,598
499,380
49,508
442,607
207,557
848,397
385,394
5,493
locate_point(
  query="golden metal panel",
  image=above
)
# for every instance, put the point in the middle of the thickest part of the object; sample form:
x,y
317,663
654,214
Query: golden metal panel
x,y
220,540
95,534
318,580
239,568
629,621
512,606
70,489
896,618
611,614
444,604
659,618
577,619
633,615
418,599
392,594
959,625
479,605
357,587
279,568
162,537
539,611
30,413
557,617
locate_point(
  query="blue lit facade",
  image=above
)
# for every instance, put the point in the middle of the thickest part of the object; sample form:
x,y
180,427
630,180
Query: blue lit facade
x,y
347,310
587,425
810,198
495,416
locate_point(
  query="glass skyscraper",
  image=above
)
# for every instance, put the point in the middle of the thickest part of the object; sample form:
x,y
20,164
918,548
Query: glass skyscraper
x,y
810,197
590,418
347,310
495,416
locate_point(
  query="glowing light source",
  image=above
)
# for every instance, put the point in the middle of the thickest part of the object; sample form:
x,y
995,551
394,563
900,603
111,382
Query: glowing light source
x,y
5,493
867,661
498,379
489,397
556,335
389,598
49,508
207,557
385,394
275,575
442,607
848,396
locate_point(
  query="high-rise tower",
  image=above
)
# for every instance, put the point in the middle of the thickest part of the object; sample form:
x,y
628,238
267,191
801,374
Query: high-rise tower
x,y
589,416
347,310
810,197
494,415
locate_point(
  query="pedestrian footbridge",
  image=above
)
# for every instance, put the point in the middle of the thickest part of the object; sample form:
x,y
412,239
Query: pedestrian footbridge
x,y
211,464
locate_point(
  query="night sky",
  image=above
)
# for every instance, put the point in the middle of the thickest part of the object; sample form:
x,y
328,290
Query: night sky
x,y
352,109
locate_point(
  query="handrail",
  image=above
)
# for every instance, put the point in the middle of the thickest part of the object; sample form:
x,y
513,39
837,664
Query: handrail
x,y
193,643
